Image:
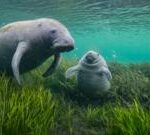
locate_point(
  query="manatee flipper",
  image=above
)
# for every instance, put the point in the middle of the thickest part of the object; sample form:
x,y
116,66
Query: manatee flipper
x,y
54,65
105,71
20,51
72,71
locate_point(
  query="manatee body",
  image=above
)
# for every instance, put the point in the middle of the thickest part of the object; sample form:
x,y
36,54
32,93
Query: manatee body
x,y
24,45
92,72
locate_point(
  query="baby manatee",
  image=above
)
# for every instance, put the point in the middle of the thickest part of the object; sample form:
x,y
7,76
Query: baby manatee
x,y
24,45
92,72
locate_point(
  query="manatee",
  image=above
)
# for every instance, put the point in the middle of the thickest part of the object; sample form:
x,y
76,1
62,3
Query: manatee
x,y
24,45
92,73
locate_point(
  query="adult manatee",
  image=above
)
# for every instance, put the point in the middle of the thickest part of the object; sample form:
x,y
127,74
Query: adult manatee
x,y
92,72
24,45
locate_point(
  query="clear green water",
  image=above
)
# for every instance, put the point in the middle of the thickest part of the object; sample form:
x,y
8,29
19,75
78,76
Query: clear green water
x,y
119,29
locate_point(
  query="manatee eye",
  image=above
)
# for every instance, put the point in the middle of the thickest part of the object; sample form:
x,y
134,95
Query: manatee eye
x,y
53,31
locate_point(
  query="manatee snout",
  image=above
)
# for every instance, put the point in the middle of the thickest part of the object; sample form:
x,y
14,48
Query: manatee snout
x,y
69,43
64,42
91,57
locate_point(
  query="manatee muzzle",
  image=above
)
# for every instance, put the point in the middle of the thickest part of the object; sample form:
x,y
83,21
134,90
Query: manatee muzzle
x,y
90,58
63,48
63,45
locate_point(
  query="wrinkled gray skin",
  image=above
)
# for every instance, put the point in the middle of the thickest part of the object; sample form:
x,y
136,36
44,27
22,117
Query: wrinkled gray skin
x,y
24,45
92,72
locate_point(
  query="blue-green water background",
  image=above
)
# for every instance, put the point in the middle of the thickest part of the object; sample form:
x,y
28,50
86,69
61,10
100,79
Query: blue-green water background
x,y
119,29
